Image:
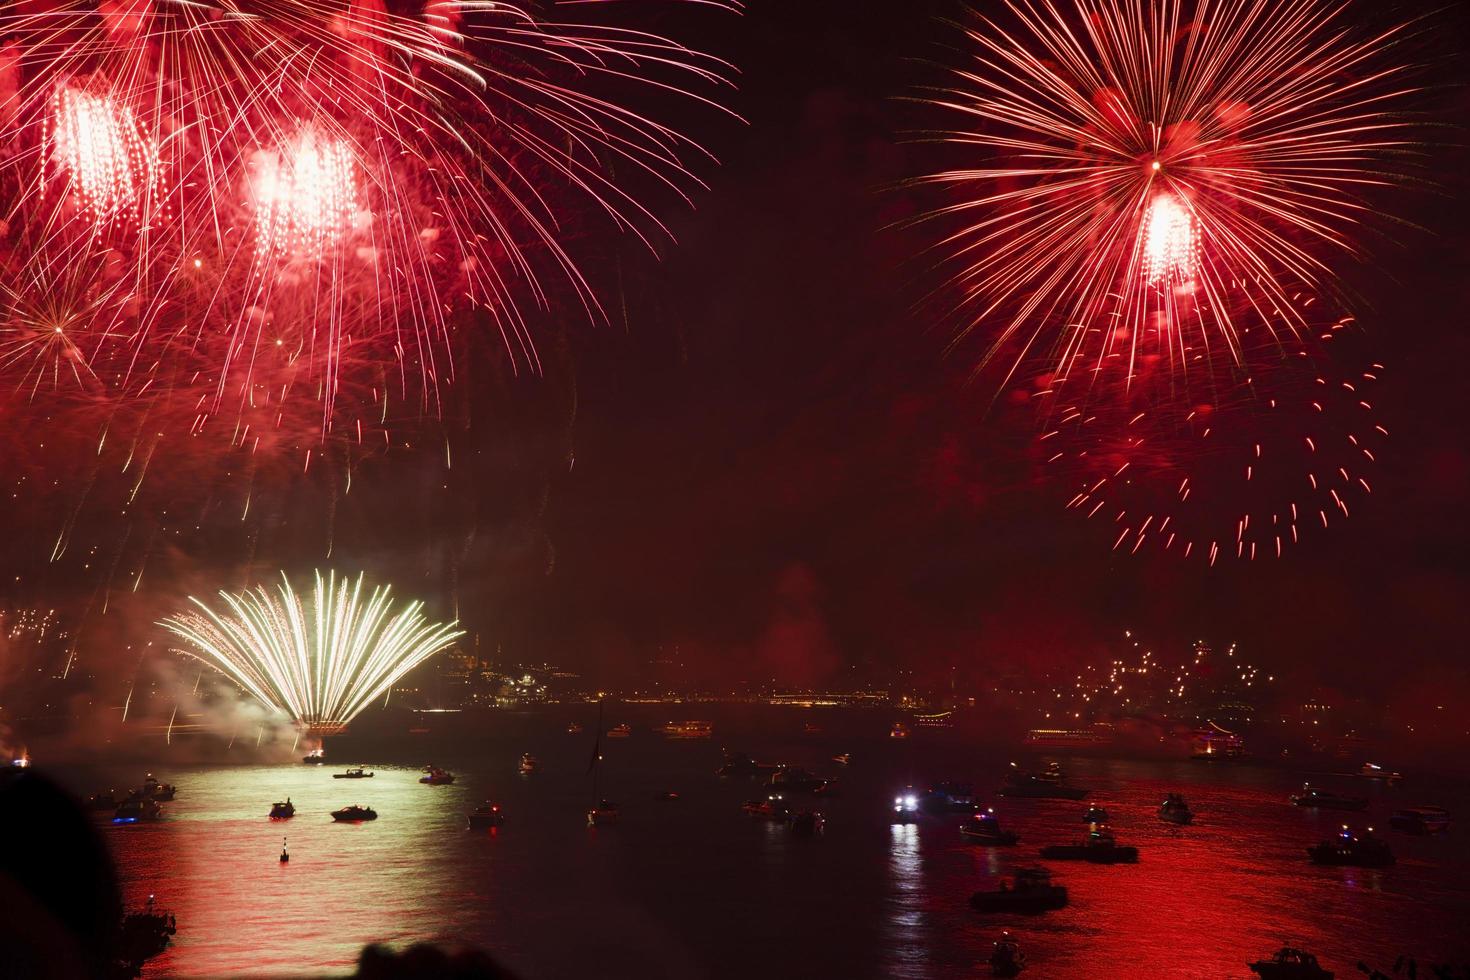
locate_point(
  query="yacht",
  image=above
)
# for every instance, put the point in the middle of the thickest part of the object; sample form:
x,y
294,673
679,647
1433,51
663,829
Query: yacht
x,y
358,773
1098,848
1356,848
603,814
1420,820
1174,809
1290,964
620,731
1322,799
688,730
437,777
280,811
528,764
486,815
354,814
1030,893
984,828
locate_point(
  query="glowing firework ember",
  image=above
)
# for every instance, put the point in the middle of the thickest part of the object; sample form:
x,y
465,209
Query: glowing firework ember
x,y
305,195
320,661
1143,172
100,149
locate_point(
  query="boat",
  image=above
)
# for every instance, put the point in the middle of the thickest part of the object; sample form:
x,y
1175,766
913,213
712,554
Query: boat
x,y
1098,848
808,823
620,731
899,730
1355,848
1322,799
668,796
152,789
437,777
1420,820
950,795
905,807
1006,960
1290,964
1095,814
316,757
528,764
358,773
280,811
842,759
983,827
136,810
603,814
687,730
102,802
773,807
1174,809
354,814
939,719
1031,894
811,729
793,779
1047,785
1372,771
485,815
574,729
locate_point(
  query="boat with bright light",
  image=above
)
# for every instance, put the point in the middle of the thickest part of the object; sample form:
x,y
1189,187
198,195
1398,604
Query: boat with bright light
x,y
1372,771
1031,893
604,814
137,810
316,757
983,827
773,807
1290,964
1353,848
152,789
905,807
354,814
1314,796
528,764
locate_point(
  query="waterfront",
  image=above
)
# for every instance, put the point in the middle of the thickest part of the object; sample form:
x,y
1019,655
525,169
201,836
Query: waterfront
x,y
692,888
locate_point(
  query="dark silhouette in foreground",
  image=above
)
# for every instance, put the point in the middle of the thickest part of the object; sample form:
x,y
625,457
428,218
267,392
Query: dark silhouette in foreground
x,y
426,962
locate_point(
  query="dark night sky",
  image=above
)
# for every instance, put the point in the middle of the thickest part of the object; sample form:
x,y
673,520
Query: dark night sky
x,y
781,467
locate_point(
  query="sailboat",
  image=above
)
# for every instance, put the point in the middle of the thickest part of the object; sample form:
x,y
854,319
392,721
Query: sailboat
x,y
603,812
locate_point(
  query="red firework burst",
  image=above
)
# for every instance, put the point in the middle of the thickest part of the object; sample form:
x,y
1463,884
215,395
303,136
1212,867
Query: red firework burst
x,y
1145,170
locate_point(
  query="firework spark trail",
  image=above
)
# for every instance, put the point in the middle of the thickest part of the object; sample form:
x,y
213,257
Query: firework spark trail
x,y
1146,170
320,660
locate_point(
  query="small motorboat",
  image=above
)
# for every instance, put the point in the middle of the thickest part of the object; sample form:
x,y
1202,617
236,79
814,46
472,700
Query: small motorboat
x,y
984,828
603,814
843,759
1045,785
316,757
574,729
280,811
1355,848
1175,810
358,773
1031,894
152,789
1420,820
137,810
1099,848
620,731
1006,960
1322,799
773,807
1095,814
1373,771
905,807
950,795
103,802
808,823
437,777
1290,964
528,764
899,730
486,815
667,796
793,779
354,814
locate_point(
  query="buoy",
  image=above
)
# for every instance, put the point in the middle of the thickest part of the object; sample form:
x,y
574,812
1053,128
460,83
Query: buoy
x,y
284,856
